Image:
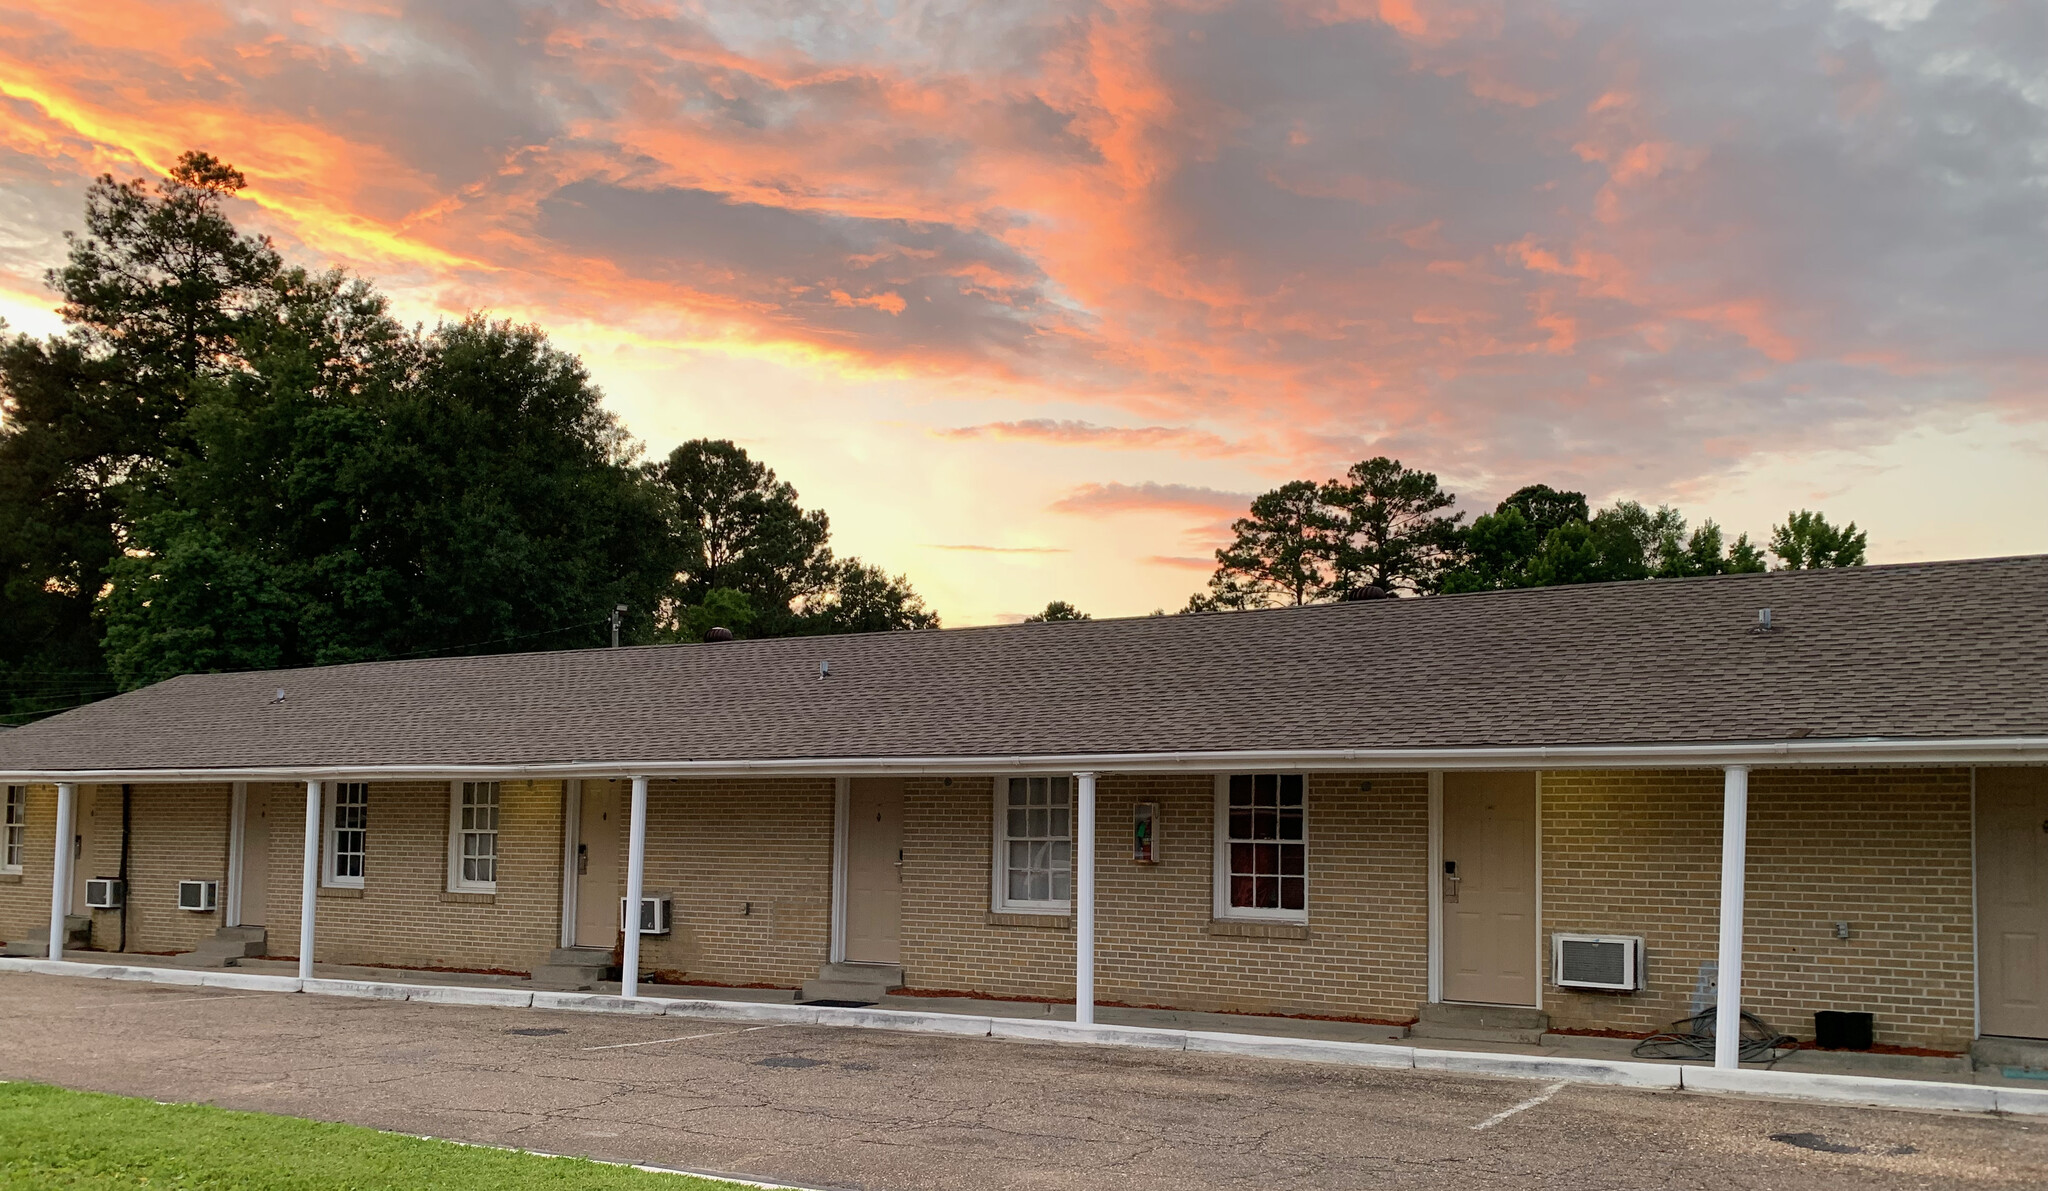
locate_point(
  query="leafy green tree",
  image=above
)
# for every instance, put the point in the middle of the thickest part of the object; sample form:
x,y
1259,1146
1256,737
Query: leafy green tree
x,y
1393,533
1284,551
156,294
1807,541
1057,610
1546,508
867,599
1498,551
742,529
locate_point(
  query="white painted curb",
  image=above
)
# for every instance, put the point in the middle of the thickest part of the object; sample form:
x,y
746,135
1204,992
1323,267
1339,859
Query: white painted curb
x,y
1870,1091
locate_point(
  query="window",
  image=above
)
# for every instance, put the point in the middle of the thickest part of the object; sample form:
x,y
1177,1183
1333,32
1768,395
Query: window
x,y
473,838
1261,848
16,829
348,832
1034,868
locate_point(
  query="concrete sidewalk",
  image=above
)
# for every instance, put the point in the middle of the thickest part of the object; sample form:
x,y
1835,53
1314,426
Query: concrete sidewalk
x,y
894,1110
1546,1063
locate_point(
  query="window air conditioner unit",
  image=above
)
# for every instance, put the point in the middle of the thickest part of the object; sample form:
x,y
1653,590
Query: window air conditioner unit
x,y
654,914
198,896
103,893
1610,962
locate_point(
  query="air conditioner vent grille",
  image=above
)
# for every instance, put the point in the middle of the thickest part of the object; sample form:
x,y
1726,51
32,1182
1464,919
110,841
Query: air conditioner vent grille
x,y
1609,962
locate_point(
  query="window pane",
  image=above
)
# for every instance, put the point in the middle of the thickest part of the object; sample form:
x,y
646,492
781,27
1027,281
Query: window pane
x,y
1058,792
1062,856
1267,858
1062,886
1020,855
1290,789
1039,826
1038,791
1241,823
1290,824
1241,857
1268,895
1059,828
1020,791
1293,893
1041,886
1240,789
1017,828
1020,885
1241,891
1265,788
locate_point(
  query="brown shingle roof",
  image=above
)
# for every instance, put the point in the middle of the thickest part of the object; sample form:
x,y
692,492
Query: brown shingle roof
x,y
1923,651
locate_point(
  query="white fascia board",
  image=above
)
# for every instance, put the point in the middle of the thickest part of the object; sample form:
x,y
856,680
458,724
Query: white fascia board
x,y
1833,752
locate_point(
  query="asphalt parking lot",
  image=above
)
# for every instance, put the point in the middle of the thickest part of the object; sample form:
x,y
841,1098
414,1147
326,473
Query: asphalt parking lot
x,y
838,1108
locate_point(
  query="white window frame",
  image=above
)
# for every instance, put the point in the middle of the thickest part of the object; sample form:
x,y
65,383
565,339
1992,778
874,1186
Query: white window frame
x,y
329,836
14,833
456,883
1221,907
1000,900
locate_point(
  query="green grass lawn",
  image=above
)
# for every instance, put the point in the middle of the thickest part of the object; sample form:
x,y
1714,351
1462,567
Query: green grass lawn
x,y
53,1138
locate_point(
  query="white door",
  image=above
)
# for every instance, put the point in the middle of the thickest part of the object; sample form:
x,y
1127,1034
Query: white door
x,y
597,866
2012,901
255,882
874,870
1489,888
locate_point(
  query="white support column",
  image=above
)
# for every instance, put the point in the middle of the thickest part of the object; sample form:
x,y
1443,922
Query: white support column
x,y
636,873
1734,860
60,879
1084,898
309,880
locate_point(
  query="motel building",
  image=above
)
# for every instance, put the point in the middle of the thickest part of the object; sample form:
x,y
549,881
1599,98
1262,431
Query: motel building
x,y
1576,809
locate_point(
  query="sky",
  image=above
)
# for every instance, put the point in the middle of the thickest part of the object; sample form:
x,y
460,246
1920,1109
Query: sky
x,y
1032,297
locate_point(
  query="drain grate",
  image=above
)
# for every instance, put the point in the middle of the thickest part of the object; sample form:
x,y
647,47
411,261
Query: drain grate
x,y
537,1032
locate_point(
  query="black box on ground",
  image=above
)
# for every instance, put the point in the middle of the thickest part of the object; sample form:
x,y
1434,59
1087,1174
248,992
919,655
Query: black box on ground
x,y
1835,1030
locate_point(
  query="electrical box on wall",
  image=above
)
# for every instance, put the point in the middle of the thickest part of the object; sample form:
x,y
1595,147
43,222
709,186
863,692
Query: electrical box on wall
x,y
1145,833
1613,963
198,896
103,893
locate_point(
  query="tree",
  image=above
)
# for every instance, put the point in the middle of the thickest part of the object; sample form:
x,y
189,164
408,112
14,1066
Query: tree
x,y
867,599
1806,542
1057,610
156,294
1498,550
1546,508
1285,549
1392,534
742,529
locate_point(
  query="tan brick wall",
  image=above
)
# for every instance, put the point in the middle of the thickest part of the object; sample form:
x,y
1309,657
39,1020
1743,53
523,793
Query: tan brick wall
x,y
25,897
1886,850
403,914
749,864
1368,919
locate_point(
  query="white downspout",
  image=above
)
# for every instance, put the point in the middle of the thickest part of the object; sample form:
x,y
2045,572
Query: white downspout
x,y
60,880
636,872
309,881
1734,860
1084,899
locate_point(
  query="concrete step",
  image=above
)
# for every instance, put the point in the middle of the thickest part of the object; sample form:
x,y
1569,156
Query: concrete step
x,y
36,945
841,990
581,956
2020,1054
889,975
231,944
1481,1023
254,934
570,977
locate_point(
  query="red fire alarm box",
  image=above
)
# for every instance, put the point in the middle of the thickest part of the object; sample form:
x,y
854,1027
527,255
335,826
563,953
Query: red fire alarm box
x,y
1145,833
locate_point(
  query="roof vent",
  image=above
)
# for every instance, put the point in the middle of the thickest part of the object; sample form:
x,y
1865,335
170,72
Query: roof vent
x,y
1763,621
824,670
718,633
279,698
1368,592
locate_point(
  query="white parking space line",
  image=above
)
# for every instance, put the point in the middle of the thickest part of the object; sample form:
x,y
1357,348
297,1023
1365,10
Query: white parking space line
x,y
1524,1106
680,1038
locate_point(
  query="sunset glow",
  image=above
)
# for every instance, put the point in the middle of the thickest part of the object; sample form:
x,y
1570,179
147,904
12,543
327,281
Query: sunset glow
x,y
1033,296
